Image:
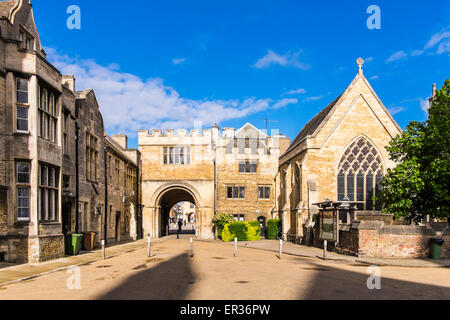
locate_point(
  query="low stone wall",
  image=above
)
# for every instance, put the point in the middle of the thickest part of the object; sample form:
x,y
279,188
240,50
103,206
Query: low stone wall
x,y
381,239
15,248
24,249
51,248
399,242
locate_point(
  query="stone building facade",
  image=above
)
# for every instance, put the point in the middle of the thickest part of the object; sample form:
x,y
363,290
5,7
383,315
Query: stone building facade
x,y
123,213
31,102
90,164
216,171
340,153
52,150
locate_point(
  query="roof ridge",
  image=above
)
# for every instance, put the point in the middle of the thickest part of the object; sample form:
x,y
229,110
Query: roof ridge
x,y
313,124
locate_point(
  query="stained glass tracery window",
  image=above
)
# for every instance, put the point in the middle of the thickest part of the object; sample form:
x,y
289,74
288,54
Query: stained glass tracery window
x,y
359,175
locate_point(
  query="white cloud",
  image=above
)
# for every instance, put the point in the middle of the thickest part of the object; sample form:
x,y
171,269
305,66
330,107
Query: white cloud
x,y
288,59
399,55
284,102
416,53
129,103
443,47
437,38
313,98
394,110
297,91
178,61
375,77
441,40
424,105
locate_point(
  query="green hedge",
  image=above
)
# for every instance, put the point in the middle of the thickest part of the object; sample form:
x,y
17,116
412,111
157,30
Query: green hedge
x,y
239,230
226,235
244,231
272,228
253,231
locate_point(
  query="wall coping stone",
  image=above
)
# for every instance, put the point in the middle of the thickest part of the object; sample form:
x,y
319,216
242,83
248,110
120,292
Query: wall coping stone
x,y
368,224
407,230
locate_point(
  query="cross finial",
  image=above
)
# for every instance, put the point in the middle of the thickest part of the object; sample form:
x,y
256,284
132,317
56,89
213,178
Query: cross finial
x,y
360,63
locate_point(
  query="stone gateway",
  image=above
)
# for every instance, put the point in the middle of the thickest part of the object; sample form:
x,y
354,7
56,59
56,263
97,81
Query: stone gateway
x,y
229,172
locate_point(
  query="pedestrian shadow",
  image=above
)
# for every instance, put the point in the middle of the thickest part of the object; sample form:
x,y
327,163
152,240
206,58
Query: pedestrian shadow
x,y
169,280
331,283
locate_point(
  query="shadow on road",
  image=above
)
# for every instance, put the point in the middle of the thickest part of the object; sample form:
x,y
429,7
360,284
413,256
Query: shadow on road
x,y
174,232
334,283
169,280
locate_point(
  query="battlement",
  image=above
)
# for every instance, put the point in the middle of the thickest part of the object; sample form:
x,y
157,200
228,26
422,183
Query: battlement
x,y
228,133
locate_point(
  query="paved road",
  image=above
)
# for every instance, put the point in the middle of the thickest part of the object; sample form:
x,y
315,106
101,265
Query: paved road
x,y
213,273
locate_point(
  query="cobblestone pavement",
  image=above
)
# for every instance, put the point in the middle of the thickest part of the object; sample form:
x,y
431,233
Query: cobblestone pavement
x,y
214,273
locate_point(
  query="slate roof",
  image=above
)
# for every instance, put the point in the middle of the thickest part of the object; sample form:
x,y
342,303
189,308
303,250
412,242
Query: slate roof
x,y
5,8
311,126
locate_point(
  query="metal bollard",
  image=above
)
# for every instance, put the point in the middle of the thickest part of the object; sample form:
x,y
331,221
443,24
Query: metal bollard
x,y
149,247
192,247
235,246
281,248
103,250
325,243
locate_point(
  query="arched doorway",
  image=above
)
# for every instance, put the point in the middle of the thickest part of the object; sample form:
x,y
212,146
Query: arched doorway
x,y
169,205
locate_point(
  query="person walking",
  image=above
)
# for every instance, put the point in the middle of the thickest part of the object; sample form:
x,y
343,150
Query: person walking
x,y
180,225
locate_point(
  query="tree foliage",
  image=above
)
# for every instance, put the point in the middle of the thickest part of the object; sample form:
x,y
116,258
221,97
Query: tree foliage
x,y
220,220
419,185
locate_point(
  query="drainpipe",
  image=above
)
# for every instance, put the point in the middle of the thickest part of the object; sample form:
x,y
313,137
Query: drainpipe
x,y
105,226
215,185
138,212
77,176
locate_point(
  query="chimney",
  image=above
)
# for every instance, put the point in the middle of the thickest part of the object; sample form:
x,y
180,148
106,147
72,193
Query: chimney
x,y
434,90
121,140
69,82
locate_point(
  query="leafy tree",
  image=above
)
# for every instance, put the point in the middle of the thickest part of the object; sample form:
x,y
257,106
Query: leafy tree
x,y
420,184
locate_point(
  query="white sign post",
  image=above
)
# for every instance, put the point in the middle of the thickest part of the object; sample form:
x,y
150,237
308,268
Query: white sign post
x,y
235,246
103,250
149,247
281,248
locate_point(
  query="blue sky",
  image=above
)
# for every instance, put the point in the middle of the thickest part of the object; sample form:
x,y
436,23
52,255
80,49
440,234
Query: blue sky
x,y
170,63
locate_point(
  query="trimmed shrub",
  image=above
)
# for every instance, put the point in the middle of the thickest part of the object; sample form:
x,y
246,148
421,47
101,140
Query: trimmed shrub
x,y
253,231
227,236
244,231
239,229
272,228
220,220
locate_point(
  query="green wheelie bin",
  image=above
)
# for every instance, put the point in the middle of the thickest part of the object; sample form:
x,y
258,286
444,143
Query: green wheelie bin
x,y
436,248
77,240
68,247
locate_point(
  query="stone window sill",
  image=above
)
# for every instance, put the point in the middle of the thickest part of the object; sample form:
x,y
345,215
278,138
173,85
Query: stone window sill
x,y
22,133
49,223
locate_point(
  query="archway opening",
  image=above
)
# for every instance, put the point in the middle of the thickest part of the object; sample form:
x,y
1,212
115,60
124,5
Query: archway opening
x,y
182,218
177,206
